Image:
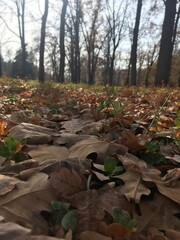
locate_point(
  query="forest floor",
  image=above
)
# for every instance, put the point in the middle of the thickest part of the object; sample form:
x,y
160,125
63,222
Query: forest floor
x,y
89,163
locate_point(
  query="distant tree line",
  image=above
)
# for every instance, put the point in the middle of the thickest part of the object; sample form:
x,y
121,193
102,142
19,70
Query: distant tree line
x,y
102,41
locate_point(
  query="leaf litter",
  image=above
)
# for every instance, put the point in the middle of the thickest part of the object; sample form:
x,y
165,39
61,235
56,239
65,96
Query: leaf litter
x,y
103,152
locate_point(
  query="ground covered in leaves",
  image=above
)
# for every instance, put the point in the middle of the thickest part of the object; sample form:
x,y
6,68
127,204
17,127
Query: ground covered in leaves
x,y
97,163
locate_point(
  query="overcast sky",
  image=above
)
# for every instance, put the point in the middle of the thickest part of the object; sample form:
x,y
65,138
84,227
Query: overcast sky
x,y
35,8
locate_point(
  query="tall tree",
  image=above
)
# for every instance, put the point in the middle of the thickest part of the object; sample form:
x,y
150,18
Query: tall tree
x,y
20,7
133,58
166,45
62,38
42,42
115,21
73,25
93,43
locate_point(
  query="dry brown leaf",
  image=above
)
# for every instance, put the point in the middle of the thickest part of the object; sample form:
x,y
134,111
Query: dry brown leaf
x,y
172,176
47,154
13,231
93,145
154,234
173,234
69,139
7,184
18,167
134,187
43,237
158,213
66,181
32,133
90,235
152,175
27,200
130,161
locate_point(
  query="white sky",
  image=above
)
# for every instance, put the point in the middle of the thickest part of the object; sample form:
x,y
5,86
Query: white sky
x,y
35,8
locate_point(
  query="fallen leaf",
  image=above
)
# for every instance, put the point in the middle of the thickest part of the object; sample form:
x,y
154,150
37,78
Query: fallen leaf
x,y
3,127
93,145
7,184
66,181
46,154
133,187
33,134
90,235
25,202
157,212
13,231
118,231
173,234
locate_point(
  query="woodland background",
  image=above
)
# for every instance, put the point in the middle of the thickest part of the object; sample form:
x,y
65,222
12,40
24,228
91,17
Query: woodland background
x,y
101,41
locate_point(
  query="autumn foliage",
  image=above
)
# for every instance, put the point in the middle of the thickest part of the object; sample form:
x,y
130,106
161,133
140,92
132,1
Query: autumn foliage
x,y
89,163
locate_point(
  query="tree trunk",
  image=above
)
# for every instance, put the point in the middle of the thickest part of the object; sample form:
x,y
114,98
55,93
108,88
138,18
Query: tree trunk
x,y
133,59
62,46
77,48
21,26
1,65
42,43
166,46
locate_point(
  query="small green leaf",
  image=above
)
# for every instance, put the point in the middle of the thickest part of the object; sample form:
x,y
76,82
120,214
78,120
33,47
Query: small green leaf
x,y
69,221
57,205
11,143
132,225
109,165
4,151
177,122
152,146
124,218
178,114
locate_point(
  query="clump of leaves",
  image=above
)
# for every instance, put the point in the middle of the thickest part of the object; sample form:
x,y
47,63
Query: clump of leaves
x,y
111,168
63,215
11,149
153,155
124,218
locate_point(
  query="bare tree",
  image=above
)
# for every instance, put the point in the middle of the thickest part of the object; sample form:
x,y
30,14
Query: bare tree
x,y
42,42
62,45
116,20
133,58
93,44
73,27
167,43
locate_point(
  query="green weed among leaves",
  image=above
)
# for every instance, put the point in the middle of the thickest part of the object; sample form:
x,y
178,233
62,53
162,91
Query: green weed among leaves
x,y
111,168
124,218
118,107
177,120
63,215
153,155
11,150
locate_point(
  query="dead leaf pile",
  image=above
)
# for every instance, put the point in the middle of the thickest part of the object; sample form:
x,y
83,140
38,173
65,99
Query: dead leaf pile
x,y
101,164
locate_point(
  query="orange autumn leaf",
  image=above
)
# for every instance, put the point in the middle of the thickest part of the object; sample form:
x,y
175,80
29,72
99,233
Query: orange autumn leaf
x,y
3,129
118,231
164,125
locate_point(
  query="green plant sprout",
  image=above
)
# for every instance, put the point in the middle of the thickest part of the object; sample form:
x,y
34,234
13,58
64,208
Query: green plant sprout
x,y
111,168
63,215
124,218
177,120
11,150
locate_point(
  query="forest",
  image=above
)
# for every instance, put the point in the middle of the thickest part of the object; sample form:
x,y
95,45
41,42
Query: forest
x,y
127,43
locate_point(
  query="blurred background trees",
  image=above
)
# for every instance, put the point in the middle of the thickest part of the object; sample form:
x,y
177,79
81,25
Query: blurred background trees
x,y
111,42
